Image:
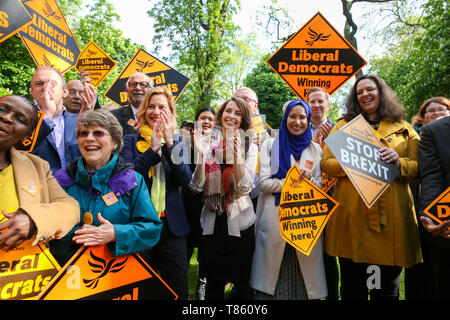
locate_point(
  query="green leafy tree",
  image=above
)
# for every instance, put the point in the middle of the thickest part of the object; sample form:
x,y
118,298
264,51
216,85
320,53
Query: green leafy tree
x,y
97,26
198,32
17,66
271,90
417,66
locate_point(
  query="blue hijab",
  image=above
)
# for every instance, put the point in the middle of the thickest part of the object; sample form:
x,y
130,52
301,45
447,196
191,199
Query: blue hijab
x,y
286,144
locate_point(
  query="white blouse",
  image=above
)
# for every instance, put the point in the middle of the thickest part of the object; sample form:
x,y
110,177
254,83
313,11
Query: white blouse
x,y
240,213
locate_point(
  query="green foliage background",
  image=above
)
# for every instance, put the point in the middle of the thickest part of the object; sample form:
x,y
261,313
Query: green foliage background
x,y
205,47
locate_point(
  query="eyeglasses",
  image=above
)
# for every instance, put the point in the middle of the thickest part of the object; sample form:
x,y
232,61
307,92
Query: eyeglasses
x,y
437,110
143,85
96,134
248,100
73,92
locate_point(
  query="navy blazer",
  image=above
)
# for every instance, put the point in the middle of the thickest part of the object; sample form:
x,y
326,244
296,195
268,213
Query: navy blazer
x,y
176,174
123,115
434,169
45,147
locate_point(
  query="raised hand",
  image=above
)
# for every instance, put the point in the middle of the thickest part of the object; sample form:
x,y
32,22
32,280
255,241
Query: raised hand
x,y
168,126
88,98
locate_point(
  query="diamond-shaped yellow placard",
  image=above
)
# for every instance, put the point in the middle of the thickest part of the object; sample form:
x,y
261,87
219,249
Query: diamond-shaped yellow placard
x,y
303,212
95,61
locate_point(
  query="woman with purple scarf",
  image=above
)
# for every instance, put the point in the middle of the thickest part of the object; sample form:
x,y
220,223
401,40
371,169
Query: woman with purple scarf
x,y
279,271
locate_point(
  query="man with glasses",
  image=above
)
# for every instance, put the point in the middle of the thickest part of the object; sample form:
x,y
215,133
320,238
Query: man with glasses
x,y
80,97
136,87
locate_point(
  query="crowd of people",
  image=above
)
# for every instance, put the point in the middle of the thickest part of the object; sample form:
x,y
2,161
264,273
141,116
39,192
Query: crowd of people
x,y
129,179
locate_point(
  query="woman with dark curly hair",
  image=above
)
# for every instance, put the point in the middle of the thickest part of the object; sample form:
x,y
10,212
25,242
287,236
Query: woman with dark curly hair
x,y
383,238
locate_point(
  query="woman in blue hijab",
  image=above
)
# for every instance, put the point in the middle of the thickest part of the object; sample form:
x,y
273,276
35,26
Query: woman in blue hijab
x,y
279,271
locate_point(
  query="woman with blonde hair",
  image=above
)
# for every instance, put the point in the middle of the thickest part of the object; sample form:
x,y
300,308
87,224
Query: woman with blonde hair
x,y
154,153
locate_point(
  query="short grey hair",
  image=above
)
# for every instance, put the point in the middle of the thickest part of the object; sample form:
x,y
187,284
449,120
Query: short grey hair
x,y
104,119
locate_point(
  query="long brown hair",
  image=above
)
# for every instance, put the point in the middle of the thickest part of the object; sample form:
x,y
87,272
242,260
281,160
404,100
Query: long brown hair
x,y
389,107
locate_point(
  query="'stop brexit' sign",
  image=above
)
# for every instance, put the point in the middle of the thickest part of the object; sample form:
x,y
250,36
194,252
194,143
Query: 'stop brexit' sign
x,y
356,146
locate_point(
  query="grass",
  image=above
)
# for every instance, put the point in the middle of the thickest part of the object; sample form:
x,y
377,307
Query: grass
x,y
192,276
193,270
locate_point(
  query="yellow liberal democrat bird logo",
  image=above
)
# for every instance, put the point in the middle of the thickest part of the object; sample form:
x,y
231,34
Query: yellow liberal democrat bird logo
x,y
49,12
294,183
47,62
100,265
91,52
314,36
143,64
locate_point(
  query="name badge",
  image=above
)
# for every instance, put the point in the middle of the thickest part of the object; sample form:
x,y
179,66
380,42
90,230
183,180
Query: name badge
x,y
32,188
110,199
132,122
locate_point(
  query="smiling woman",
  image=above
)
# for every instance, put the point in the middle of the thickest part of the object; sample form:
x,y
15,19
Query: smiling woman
x,y
385,234
49,212
151,153
225,175
115,208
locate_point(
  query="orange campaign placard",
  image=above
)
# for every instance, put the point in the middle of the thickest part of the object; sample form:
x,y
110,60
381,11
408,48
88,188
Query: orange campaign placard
x,y
439,209
96,61
303,212
48,38
25,270
27,144
327,182
160,73
93,273
317,55
13,16
356,146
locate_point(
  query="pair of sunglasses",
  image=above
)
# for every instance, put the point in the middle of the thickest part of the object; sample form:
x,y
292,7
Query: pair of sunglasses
x,y
96,133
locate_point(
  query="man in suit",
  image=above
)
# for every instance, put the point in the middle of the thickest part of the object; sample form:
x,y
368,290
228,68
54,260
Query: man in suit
x,y
80,97
319,100
58,141
136,87
434,173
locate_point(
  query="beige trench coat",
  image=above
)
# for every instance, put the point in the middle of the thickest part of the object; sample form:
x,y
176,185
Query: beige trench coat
x,y
53,211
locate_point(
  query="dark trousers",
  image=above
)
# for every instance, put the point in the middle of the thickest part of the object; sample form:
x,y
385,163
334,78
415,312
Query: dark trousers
x,y
332,276
430,279
357,277
168,258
